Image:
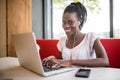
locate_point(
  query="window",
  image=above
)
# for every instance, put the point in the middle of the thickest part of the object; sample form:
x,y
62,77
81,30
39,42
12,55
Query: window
x,y
97,20
116,18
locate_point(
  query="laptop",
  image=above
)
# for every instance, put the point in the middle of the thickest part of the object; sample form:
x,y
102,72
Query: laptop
x,y
28,55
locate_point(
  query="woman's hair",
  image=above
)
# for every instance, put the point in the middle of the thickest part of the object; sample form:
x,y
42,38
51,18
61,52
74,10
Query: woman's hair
x,y
80,10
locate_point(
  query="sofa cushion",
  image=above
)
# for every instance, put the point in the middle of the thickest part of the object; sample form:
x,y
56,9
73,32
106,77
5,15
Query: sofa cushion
x,y
48,47
112,47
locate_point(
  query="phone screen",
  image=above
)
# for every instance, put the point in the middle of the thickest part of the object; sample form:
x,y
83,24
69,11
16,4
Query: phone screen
x,y
83,73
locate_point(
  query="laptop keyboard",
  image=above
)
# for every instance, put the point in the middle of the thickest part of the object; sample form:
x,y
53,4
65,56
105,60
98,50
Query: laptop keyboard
x,y
46,69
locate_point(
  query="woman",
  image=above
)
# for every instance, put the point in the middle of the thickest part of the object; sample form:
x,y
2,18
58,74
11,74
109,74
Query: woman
x,y
80,49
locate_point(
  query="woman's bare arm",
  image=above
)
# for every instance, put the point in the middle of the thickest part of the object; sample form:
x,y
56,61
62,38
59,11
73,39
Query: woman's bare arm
x,y
101,60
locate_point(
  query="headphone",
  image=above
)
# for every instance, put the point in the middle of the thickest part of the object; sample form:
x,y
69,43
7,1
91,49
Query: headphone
x,y
78,23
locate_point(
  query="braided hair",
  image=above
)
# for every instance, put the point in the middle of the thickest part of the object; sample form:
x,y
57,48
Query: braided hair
x,y
80,10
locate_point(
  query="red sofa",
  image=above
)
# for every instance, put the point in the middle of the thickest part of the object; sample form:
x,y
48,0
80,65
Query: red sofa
x,y
112,46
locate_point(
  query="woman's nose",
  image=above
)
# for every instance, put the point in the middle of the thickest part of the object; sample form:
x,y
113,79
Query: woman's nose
x,y
66,25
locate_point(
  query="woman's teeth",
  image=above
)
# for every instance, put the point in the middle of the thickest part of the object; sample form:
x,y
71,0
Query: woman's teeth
x,y
67,30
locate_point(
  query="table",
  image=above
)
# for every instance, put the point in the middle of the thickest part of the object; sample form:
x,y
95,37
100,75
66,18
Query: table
x,y
10,69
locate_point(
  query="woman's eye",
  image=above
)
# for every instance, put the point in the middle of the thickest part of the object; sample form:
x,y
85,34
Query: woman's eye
x,y
70,22
63,23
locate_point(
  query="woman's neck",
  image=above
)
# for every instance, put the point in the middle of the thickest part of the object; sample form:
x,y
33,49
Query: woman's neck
x,y
72,37
74,40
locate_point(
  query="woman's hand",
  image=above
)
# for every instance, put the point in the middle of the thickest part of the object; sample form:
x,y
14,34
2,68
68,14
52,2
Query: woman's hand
x,y
50,62
66,63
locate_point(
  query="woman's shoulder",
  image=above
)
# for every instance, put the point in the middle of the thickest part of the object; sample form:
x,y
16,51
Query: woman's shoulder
x,y
63,38
61,43
91,35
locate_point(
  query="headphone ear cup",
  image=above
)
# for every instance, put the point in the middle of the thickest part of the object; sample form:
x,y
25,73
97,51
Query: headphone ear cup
x,y
78,23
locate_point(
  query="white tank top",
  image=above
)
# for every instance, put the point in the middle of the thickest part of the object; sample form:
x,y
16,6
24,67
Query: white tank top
x,y
84,50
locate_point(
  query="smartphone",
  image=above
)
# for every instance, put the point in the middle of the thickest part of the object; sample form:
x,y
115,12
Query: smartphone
x,y
83,73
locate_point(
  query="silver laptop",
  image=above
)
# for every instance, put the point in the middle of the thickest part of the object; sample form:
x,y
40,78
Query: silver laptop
x,y
28,56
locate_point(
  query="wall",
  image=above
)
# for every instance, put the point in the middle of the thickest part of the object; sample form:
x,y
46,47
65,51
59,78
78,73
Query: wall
x,y
3,45
15,18
18,20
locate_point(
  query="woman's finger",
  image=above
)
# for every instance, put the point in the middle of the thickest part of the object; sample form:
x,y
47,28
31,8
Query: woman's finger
x,y
45,61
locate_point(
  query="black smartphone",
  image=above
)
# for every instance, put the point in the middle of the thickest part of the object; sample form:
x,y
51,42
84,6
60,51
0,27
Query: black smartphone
x,y
83,73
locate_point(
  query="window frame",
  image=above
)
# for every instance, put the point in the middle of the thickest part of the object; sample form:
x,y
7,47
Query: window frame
x,y
48,20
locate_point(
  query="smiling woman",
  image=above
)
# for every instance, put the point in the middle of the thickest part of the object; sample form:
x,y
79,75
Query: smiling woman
x,y
77,48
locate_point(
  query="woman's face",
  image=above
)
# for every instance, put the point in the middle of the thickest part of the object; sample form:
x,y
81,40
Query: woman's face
x,y
70,23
